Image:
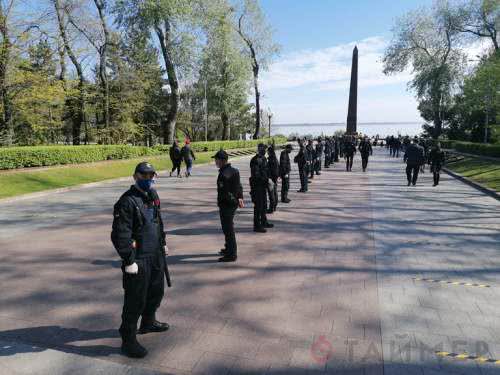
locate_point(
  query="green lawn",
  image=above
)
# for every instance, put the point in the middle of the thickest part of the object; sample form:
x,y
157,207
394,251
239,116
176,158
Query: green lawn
x,y
484,171
23,182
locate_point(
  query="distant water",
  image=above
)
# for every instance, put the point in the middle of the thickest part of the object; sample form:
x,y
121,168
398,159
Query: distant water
x,y
371,129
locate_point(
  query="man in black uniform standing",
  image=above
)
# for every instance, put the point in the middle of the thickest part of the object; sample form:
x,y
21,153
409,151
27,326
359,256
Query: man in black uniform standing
x,y
414,158
139,238
274,174
365,149
436,160
259,182
285,169
229,198
310,153
301,160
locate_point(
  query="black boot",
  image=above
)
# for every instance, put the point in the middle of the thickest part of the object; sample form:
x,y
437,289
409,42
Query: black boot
x,y
150,324
131,348
259,230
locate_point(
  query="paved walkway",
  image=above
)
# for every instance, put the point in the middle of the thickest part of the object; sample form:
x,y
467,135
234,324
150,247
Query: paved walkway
x,y
331,289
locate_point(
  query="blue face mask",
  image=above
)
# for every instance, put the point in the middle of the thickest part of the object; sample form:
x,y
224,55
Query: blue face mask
x,y
145,185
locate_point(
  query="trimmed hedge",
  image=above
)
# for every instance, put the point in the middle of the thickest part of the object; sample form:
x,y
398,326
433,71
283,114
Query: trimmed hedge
x,y
482,149
42,156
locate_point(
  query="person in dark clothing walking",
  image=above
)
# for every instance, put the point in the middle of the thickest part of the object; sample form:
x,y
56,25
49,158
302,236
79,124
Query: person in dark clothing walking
x,y
274,173
229,198
301,161
259,182
336,149
285,169
365,149
328,152
176,158
188,156
138,236
349,151
436,160
413,157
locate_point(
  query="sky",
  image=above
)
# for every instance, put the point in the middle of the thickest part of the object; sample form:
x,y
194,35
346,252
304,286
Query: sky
x,y
309,81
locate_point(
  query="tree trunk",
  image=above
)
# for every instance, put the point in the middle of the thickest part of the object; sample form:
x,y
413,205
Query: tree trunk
x,y
78,117
257,103
103,61
226,127
6,131
173,102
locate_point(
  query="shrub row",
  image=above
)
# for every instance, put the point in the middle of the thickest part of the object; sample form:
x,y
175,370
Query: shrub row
x,y
41,156
482,149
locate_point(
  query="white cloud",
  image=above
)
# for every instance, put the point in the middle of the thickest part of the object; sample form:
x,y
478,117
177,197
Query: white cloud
x,y
330,68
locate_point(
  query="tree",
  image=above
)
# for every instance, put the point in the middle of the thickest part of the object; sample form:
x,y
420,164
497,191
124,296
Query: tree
x,y
172,23
425,41
76,104
256,34
475,18
225,71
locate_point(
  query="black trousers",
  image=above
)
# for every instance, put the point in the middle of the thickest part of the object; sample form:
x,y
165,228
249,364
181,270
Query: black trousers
x,y
412,173
285,186
143,292
435,169
176,165
273,195
227,223
260,206
348,162
364,161
303,178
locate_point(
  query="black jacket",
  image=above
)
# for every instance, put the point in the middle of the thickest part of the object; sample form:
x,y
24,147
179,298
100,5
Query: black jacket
x,y
365,148
436,157
349,149
300,158
259,172
129,222
274,165
175,153
229,188
414,155
285,165
187,153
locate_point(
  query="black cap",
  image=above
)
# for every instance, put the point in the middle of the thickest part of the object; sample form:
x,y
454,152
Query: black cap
x,y
221,155
289,146
144,167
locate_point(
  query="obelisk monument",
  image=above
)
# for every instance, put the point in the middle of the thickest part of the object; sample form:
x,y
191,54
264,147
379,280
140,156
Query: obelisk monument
x,y
353,95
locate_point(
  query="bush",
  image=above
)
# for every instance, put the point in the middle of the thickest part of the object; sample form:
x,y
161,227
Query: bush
x,y
482,149
226,145
43,156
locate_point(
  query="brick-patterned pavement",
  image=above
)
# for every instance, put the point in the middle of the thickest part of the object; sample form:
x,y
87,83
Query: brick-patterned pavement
x,y
331,289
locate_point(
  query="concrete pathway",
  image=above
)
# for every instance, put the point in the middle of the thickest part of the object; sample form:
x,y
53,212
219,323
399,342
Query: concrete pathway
x,y
331,289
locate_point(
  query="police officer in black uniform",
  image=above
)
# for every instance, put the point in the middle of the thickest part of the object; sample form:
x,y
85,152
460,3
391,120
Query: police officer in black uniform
x,y
139,238
229,198
259,182
285,169
310,158
436,160
301,160
319,155
274,174
414,158
349,151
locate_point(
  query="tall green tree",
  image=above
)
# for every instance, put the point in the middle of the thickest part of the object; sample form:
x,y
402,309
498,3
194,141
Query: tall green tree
x,y
256,34
426,42
225,70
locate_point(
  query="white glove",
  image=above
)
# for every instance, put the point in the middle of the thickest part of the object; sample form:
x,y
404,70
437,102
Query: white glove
x,y
286,176
166,250
132,269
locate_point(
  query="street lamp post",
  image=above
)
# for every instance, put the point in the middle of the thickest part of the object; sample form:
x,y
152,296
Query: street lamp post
x,y
270,116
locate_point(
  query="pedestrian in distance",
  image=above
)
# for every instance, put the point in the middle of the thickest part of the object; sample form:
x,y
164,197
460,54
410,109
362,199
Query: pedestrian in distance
x,y
301,161
349,151
414,158
229,199
366,150
436,161
188,156
176,158
138,236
